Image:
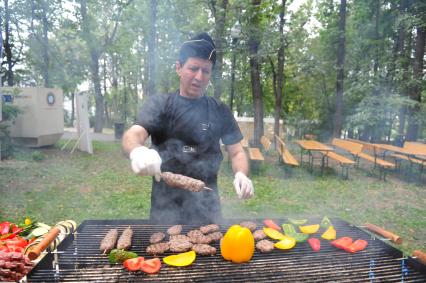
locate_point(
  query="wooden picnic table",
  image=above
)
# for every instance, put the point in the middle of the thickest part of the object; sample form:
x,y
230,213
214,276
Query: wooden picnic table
x,y
244,142
312,147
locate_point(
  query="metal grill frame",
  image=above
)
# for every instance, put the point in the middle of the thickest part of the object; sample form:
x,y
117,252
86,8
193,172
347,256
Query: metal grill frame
x,y
78,259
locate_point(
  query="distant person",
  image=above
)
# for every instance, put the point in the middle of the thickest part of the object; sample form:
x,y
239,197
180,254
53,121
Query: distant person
x,y
186,128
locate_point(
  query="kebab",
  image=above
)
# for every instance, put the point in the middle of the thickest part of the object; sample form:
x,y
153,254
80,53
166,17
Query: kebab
x,y
108,242
125,240
184,182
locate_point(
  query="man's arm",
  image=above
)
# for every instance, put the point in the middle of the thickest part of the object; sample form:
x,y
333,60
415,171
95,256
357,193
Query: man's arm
x,y
238,158
134,137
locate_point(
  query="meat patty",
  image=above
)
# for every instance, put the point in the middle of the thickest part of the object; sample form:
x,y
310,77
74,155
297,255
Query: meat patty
x,y
265,246
157,237
194,233
179,238
209,228
249,224
259,235
159,248
201,239
215,236
203,249
180,246
174,230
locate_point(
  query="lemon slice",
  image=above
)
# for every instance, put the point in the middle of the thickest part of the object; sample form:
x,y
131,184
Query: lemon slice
x,y
309,229
182,259
273,234
286,243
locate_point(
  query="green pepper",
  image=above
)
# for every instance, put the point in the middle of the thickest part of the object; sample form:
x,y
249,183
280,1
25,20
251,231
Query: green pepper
x,y
290,230
119,256
325,222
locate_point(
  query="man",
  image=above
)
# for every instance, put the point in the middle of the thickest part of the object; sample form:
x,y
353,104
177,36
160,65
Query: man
x,y
186,128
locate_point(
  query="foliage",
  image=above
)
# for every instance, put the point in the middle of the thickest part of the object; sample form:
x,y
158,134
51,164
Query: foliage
x,y
37,156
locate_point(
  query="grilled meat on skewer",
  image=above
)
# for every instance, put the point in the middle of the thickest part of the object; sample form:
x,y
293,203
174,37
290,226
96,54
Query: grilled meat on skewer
x,y
174,230
125,240
249,224
183,182
209,228
157,237
265,246
108,242
203,249
259,235
215,236
157,249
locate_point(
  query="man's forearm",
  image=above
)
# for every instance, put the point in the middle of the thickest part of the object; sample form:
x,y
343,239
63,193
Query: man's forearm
x,y
240,163
134,137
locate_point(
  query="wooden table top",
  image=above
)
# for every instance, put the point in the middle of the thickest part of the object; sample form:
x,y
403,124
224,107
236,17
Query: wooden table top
x,y
313,145
398,149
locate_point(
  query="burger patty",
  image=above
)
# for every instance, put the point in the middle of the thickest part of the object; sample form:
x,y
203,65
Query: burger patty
x,y
194,233
174,230
209,228
179,238
265,246
259,235
157,237
249,224
201,239
159,248
215,236
203,249
178,246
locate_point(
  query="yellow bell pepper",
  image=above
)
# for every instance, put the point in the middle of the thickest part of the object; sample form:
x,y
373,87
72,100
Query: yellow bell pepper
x,y
272,233
286,243
329,234
309,229
237,245
182,259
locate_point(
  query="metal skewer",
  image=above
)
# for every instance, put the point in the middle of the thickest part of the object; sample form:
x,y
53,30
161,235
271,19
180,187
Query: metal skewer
x,y
207,188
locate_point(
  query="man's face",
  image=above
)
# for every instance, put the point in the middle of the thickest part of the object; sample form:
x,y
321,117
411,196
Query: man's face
x,y
194,76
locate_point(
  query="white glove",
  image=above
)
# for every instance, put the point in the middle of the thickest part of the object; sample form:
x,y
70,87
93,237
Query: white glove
x,y
243,186
146,162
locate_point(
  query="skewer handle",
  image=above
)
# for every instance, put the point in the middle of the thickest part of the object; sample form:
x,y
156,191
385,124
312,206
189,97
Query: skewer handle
x,y
420,255
37,250
388,235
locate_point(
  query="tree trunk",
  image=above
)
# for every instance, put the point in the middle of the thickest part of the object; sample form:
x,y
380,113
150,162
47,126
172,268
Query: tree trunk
x,y
233,63
340,71
256,87
416,89
219,14
152,56
45,44
7,46
99,99
280,74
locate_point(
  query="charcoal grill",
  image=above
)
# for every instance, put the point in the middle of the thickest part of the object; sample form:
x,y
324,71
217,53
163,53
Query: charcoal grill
x,y
78,259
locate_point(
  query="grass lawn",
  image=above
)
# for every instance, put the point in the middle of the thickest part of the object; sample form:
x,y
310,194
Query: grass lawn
x,y
79,186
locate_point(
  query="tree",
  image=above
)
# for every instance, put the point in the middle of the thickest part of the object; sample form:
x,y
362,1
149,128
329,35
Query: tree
x,y
152,56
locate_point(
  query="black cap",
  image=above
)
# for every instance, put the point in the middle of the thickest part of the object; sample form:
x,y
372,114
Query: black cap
x,y
200,46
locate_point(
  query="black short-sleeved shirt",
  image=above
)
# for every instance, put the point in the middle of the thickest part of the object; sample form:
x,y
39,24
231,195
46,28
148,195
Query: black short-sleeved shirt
x,y
186,133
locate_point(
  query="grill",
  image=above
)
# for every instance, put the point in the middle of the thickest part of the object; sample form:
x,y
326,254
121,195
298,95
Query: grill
x,y
78,259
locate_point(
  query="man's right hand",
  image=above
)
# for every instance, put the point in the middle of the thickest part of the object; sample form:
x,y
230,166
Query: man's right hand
x,y
146,162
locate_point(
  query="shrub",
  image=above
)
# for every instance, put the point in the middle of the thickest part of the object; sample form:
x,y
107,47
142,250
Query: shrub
x,y
37,156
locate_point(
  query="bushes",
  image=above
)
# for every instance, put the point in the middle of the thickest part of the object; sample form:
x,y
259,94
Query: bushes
x,y
9,112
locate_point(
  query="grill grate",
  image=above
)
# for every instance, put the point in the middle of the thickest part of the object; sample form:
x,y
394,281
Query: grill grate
x,y
79,260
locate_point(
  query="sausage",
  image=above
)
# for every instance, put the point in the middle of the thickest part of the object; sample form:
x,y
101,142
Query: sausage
x,y
183,182
108,242
125,240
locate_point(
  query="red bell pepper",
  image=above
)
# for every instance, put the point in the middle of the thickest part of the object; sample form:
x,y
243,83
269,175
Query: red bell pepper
x,y
315,244
271,224
4,227
357,246
342,243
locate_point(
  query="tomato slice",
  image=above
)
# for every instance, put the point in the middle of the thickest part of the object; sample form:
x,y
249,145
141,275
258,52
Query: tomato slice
x,y
342,243
151,266
271,224
133,264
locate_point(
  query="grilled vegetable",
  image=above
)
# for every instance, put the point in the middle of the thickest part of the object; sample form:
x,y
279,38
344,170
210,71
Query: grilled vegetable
x,y
182,259
298,221
237,245
273,234
133,264
342,243
271,224
315,244
357,246
151,266
309,229
329,234
119,256
325,222
289,230
286,243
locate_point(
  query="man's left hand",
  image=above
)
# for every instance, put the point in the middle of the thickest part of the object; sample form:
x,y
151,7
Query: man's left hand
x,y
243,186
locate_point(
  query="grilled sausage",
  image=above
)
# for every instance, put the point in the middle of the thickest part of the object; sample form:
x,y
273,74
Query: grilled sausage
x,y
183,182
108,242
157,237
125,240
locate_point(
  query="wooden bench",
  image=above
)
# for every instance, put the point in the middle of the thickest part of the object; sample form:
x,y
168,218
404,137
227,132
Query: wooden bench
x,y
255,154
284,155
358,150
342,160
266,143
414,147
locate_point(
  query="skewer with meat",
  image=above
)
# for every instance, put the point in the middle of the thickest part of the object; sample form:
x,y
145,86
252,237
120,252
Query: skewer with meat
x,y
108,242
125,240
183,182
